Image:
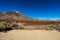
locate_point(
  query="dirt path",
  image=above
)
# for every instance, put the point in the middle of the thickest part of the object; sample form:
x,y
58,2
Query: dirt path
x,y
30,35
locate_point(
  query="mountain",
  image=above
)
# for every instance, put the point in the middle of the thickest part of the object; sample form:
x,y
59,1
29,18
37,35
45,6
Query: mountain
x,y
13,15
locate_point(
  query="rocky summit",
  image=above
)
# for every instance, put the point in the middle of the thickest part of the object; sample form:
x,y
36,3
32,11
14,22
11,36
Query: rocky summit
x,y
13,15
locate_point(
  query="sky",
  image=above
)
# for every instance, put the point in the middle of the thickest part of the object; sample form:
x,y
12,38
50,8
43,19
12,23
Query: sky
x,y
40,9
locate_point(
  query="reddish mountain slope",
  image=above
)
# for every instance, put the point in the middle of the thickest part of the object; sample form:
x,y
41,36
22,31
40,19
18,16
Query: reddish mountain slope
x,y
14,15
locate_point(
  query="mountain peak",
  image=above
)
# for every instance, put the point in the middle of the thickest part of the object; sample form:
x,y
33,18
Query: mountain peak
x,y
14,15
15,11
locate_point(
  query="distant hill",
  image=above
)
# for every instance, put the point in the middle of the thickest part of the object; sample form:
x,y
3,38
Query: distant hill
x,y
13,15
27,22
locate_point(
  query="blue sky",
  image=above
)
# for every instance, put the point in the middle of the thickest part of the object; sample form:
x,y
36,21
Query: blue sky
x,y
33,8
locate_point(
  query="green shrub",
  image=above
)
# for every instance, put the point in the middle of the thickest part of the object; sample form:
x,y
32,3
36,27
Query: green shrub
x,y
55,27
15,26
20,27
58,27
51,27
4,25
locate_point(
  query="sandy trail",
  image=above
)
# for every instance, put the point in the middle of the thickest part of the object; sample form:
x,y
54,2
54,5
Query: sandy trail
x,y
30,35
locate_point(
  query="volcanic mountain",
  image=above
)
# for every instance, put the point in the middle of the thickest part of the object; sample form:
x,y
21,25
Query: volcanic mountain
x,y
13,15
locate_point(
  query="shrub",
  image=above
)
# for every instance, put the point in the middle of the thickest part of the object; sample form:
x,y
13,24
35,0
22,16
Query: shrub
x,y
55,27
51,27
15,26
58,27
4,25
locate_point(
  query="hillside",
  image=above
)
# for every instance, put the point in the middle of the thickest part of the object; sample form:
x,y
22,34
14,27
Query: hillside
x,y
13,15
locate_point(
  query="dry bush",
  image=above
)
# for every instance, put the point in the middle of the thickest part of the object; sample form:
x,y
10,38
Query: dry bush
x,y
54,27
15,26
4,26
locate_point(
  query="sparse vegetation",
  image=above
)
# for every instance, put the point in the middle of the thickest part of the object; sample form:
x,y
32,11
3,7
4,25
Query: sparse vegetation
x,y
15,26
4,26
58,27
54,27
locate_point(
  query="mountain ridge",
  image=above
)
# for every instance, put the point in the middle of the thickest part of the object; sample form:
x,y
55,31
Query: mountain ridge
x,y
14,15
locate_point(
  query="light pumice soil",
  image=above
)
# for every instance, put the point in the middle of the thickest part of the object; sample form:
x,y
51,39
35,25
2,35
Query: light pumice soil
x,y
30,35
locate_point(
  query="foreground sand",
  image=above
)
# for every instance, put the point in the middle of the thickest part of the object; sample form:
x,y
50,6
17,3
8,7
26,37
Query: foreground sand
x,y
30,35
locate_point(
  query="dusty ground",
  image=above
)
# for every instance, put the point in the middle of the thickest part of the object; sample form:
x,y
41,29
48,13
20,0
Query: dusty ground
x,y
30,35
